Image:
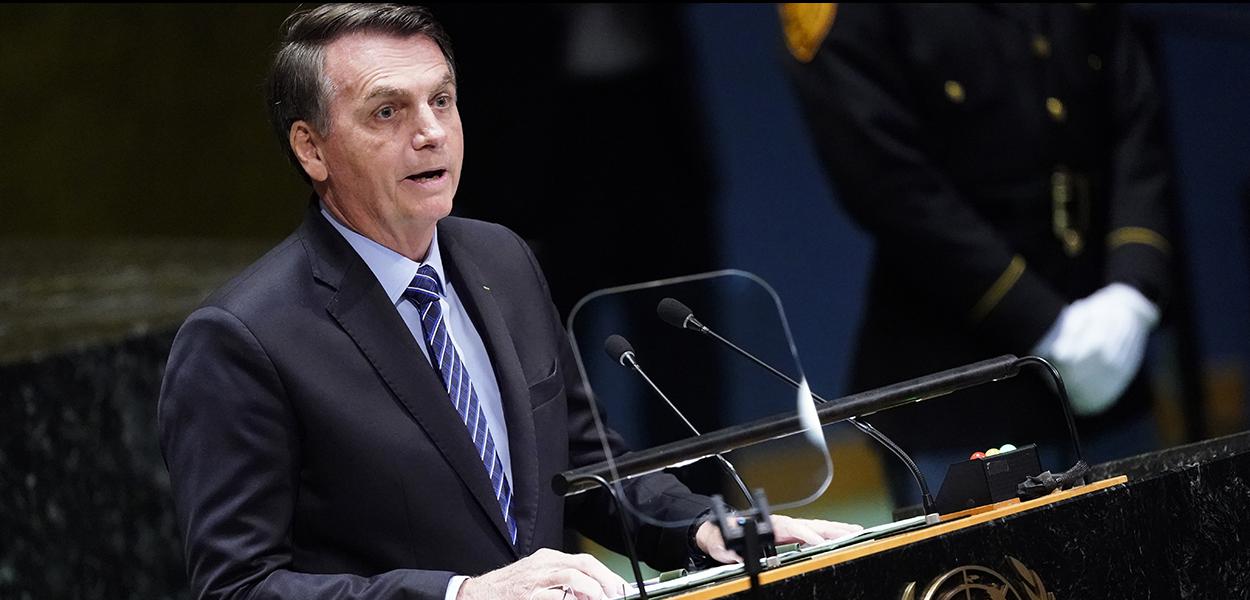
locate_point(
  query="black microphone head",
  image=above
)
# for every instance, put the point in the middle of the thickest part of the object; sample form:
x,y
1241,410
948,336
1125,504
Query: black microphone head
x,y
674,313
617,347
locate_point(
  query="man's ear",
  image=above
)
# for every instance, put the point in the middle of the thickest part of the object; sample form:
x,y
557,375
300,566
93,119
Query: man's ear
x,y
306,145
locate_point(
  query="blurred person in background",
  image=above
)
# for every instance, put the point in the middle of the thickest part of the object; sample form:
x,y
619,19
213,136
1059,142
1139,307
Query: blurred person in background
x,y
1010,163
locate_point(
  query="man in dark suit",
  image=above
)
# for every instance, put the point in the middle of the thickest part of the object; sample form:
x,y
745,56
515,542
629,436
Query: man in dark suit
x,y
1010,162
375,408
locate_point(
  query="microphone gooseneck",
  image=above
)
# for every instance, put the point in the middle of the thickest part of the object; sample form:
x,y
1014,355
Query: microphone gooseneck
x,y
624,520
622,352
1076,474
679,315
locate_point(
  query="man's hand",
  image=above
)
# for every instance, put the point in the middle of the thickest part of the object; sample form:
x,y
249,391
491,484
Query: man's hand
x,y
545,575
1098,343
786,530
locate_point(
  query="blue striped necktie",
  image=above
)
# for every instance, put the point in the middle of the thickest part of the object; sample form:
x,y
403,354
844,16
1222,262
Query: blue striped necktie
x,y
424,291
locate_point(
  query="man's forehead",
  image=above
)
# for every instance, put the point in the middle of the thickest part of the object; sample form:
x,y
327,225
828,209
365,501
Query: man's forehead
x,y
356,60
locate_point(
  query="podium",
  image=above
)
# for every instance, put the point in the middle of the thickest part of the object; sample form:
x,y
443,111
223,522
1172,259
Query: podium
x,y
1168,524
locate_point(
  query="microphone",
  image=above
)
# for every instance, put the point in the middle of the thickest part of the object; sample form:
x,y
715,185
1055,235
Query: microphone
x,y
680,316
621,351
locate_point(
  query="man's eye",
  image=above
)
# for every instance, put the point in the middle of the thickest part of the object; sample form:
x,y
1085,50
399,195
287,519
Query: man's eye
x,y
386,112
443,101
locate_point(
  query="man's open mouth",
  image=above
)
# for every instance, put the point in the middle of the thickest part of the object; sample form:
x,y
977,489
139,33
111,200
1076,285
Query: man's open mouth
x,y
426,175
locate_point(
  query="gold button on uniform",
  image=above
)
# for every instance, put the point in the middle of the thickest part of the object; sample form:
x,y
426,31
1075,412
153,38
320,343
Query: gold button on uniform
x,y
1095,63
954,91
1056,109
1041,46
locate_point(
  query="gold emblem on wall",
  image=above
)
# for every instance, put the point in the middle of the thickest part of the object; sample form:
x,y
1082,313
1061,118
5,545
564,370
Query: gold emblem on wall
x,y
806,26
975,582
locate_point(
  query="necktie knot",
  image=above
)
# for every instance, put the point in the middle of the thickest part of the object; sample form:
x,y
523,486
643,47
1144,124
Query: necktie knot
x,y
426,287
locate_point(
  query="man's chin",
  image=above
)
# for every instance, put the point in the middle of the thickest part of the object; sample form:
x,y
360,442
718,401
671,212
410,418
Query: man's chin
x,y
427,210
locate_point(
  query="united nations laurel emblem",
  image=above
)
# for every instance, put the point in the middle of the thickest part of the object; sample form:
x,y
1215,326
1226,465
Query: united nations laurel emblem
x,y
975,582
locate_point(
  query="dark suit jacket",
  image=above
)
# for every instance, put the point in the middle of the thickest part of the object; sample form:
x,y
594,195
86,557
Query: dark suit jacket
x,y
314,453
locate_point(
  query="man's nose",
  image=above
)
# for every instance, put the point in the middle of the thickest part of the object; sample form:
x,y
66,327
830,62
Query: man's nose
x,y
430,132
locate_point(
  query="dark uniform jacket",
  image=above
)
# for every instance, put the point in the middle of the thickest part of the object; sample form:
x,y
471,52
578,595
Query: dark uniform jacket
x,y
1007,159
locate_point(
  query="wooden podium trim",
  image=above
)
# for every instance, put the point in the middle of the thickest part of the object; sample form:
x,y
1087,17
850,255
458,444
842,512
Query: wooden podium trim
x,y
862,549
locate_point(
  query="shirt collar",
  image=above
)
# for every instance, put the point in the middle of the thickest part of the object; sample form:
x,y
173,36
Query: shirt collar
x,y
393,270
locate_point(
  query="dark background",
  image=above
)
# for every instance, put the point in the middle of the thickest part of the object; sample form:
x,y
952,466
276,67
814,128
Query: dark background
x,y
624,143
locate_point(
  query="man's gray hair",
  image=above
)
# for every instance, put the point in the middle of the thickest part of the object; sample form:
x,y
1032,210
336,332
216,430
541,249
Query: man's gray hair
x,y
297,88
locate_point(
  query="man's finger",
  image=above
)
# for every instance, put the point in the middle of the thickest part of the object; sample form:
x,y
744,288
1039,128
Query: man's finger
x,y
583,586
833,529
721,554
789,530
555,592
609,582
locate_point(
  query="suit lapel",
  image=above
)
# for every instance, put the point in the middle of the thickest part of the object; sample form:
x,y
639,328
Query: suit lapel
x,y
362,309
484,309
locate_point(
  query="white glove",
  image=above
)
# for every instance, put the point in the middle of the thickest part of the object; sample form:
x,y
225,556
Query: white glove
x,y
1098,343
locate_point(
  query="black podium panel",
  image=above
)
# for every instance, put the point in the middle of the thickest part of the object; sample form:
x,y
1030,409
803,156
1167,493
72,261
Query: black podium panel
x,y
1180,528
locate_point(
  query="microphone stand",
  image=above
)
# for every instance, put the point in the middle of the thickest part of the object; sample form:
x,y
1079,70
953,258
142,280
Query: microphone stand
x,y
751,536
1040,485
629,539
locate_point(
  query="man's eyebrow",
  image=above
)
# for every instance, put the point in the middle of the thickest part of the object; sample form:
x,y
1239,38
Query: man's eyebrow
x,y
386,91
